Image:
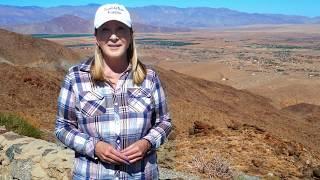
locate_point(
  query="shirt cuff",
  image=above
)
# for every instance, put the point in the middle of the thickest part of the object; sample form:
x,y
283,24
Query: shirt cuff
x,y
90,147
152,142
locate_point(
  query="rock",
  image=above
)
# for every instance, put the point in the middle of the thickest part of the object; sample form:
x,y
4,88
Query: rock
x,y
5,162
307,172
201,127
36,159
21,169
28,158
38,172
11,136
316,172
5,177
191,131
291,150
271,176
3,129
12,150
257,163
247,177
172,135
44,164
234,125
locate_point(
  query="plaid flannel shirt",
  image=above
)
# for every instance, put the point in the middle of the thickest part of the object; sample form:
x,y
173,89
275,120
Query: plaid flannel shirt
x,y
90,112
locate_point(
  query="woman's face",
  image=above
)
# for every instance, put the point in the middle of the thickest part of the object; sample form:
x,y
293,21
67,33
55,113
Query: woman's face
x,y
114,38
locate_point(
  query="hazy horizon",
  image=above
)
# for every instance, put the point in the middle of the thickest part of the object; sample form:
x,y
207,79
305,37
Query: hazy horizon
x,y
307,8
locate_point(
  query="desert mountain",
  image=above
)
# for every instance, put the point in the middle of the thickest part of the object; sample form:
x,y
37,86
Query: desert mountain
x,y
24,50
60,25
11,15
208,17
70,24
158,16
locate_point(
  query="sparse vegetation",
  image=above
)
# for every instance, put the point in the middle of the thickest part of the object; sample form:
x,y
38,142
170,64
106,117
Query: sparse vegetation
x,y
216,167
19,125
162,42
280,46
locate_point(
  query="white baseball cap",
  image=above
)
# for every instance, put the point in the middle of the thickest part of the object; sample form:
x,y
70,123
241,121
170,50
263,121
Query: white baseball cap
x,y
110,12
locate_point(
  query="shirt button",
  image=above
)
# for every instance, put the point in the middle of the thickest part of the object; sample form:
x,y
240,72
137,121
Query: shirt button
x,y
116,104
118,141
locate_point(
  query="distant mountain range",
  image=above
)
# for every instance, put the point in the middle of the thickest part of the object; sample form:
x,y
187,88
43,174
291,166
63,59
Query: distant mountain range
x,y
78,19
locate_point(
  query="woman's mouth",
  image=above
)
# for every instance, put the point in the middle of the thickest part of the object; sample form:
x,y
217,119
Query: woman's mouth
x,y
114,46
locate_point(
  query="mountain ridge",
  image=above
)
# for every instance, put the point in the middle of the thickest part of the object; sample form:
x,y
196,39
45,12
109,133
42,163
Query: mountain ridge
x,y
159,16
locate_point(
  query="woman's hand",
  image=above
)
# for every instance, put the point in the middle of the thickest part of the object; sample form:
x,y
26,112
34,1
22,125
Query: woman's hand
x,y
107,153
137,150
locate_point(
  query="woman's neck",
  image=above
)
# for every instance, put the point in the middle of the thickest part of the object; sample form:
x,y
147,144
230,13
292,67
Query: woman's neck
x,y
113,70
115,66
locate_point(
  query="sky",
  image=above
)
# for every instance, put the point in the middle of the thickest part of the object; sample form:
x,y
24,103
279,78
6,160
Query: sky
x,y
310,8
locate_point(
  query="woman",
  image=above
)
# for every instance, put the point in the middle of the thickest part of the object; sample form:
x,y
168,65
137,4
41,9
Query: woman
x,y
112,110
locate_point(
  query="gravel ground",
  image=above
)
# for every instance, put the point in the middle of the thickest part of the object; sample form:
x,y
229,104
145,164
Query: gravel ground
x,y
171,174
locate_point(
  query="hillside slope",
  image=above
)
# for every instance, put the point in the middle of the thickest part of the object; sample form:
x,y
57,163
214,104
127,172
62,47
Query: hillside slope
x,y
28,51
193,99
34,92
256,137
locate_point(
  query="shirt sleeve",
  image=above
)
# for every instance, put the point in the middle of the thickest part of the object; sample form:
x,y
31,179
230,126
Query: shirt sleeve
x,y
162,127
66,129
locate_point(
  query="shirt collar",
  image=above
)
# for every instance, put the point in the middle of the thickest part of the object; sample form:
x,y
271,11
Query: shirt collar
x,y
86,65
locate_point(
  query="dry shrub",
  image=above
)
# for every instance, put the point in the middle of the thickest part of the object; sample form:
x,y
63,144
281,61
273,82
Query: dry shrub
x,y
217,167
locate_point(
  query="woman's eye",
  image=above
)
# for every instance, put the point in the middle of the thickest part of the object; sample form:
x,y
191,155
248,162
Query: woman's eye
x,y
105,29
121,29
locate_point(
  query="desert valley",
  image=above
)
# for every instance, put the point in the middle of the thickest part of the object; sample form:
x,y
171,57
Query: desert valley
x,y
244,99
247,96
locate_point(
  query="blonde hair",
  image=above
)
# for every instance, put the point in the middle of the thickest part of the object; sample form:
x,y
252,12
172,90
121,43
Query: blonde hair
x,y
138,69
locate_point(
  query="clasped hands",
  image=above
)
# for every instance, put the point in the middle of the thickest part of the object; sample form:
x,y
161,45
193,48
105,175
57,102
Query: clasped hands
x,y
133,153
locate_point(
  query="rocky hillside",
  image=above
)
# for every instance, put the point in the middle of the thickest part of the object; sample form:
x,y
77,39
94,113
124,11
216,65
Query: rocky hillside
x,y
24,50
308,112
207,117
27,158
193,99
30,92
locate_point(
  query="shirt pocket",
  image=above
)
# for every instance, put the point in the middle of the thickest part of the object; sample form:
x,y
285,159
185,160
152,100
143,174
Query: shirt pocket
x,y
139,100
92,104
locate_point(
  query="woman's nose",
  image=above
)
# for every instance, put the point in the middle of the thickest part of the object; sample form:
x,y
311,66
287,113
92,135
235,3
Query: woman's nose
x,y
113,37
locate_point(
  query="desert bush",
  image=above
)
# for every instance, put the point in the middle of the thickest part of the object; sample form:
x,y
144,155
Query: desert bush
x,y
19,125
217,167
